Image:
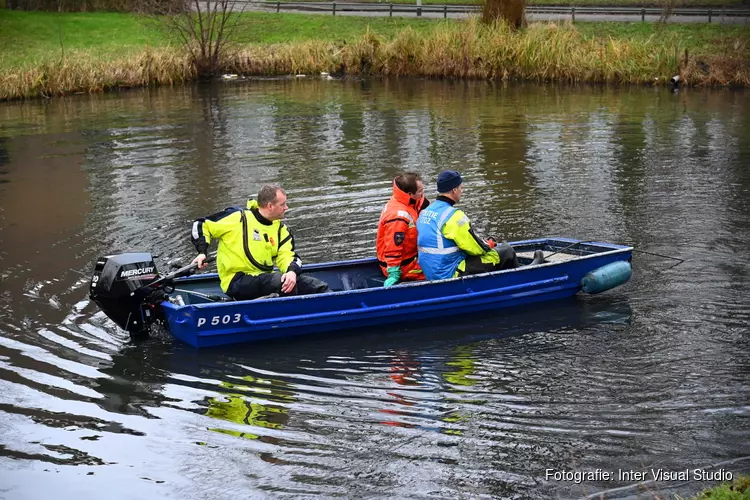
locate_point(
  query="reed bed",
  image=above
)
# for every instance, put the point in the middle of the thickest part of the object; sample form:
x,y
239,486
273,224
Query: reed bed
x,y
82,71
540,52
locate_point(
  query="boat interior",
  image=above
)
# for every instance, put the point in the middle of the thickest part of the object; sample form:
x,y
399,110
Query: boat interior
x,y
365,273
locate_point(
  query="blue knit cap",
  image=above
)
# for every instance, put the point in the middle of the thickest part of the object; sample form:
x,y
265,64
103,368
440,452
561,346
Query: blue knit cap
x,y
447,180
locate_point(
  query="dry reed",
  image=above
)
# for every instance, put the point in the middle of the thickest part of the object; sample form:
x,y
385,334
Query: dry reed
x,y
83,72
541,52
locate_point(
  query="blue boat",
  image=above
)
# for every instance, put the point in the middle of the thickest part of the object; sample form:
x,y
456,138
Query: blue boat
x,y
131,292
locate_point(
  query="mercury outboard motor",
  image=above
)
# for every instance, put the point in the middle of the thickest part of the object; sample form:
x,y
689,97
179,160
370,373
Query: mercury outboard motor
x,y
120,287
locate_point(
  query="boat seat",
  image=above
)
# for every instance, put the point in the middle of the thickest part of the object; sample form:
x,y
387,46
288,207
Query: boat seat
x,y
227,298
195,297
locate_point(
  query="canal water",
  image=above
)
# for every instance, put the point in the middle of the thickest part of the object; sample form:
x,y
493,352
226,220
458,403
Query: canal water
x,y
651,375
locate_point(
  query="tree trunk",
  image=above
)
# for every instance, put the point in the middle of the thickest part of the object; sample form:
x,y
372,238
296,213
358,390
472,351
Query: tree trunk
x,y
510,11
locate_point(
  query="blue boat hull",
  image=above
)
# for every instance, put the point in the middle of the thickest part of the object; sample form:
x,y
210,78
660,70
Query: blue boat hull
x,y
358,299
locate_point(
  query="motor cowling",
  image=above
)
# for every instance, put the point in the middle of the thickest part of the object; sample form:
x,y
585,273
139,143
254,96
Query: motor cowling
x,y
119,288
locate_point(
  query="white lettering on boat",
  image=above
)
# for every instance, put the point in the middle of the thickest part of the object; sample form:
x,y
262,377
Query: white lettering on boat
x,y
227,319
136,272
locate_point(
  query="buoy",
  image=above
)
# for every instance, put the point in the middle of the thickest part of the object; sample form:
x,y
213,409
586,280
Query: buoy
x,y
300,75
229,76
607,277
323,73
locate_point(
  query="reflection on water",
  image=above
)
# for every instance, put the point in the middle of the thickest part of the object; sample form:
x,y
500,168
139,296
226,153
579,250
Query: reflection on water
x,y
653,374
233,407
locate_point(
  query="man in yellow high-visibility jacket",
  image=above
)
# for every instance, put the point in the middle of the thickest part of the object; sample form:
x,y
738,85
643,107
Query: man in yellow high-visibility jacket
x,y
251,241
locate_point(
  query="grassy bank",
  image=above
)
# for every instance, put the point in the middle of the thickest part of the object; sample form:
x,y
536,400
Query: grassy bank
x,y
56,54
739,489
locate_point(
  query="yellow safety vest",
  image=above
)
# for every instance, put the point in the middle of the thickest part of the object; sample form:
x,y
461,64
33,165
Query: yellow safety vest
x,y
248,245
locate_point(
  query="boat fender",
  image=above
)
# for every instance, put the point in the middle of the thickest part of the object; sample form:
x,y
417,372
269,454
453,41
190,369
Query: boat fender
x,y
607,277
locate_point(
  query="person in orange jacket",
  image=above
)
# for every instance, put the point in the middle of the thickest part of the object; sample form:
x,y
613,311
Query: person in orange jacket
x,y
396,242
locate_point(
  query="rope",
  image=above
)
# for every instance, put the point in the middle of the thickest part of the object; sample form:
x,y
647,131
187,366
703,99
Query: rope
x,y
679,261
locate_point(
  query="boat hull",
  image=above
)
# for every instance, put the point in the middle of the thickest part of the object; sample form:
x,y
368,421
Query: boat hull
x,y
360,301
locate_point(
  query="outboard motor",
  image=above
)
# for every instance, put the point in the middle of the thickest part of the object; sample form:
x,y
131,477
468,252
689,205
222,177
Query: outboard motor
x,y
120,288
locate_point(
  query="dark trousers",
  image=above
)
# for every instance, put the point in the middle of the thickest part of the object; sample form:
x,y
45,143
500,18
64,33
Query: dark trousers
x,y
508,260
247,287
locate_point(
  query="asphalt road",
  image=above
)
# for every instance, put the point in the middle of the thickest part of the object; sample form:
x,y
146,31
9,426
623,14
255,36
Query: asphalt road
x,y
716,16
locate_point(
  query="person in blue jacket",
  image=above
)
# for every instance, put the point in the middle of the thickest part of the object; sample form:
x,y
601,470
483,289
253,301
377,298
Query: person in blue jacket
x,y
448,246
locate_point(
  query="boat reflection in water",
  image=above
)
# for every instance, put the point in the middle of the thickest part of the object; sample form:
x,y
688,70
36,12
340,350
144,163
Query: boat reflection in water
x,y
404,375
340,404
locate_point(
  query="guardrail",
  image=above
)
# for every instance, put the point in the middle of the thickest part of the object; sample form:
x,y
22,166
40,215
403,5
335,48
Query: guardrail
x,y
446,9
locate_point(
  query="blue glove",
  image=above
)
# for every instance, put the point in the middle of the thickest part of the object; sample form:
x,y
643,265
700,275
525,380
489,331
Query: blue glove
x,y
394,274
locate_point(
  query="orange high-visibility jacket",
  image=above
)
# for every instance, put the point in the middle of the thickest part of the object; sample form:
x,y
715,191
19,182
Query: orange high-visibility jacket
x,y
396,243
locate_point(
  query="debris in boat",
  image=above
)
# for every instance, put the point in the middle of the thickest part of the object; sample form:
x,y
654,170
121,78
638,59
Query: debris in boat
x,y
557,257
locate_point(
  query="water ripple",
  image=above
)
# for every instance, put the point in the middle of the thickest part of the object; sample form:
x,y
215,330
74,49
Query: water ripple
x,y
652,374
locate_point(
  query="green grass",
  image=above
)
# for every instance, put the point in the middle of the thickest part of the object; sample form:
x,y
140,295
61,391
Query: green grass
x,y
32,36
109,50
738,490
699,38
29,37
269,28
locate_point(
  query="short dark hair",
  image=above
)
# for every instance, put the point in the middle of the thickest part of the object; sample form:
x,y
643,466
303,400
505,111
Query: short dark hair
x,y
268,194
407,182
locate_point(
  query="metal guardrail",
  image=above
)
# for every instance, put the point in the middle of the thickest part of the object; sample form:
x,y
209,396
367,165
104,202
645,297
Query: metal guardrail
x,y
446,9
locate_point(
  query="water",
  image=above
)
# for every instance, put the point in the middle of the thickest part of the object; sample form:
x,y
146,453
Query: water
x,y
653,374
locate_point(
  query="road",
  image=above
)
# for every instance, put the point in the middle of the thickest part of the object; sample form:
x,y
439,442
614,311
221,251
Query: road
x,y
560,14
